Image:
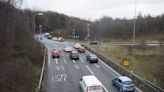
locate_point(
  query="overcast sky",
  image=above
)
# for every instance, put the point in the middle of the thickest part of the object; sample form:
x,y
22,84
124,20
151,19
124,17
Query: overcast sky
x,y
95,9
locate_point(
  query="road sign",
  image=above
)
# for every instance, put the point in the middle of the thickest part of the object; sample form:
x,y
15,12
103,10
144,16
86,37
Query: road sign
x,y
125,62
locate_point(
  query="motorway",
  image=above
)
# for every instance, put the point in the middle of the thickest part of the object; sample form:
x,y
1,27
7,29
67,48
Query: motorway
x,y
63,74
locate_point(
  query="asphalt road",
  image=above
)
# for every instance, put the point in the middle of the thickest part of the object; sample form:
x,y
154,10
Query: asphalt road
x,y
63,74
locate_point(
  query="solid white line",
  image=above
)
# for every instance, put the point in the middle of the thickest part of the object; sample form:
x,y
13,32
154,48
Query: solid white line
x,y
49,58
116,72
105,88
89,69
110,68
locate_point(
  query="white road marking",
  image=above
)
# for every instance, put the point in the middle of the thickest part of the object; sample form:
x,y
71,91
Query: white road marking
x,y
76,66
61,54
81,60
73,61
105,88
60,77
96,65
56,61
49,58
60,68
89,69
115,72
93,74
64,61
52,78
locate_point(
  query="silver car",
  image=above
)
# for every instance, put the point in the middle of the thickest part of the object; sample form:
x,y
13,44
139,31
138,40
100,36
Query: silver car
x,y
124,84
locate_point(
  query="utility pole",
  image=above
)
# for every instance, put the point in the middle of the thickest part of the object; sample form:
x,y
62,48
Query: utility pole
x,y
88,32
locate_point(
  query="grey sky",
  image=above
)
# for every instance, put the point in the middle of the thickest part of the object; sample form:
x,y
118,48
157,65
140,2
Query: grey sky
x,y
95,9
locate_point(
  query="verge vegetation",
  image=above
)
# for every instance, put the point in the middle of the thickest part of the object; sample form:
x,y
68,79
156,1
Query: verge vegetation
x,y
20,56
146,62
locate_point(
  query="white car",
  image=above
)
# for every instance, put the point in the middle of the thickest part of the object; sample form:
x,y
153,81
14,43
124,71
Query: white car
x,y
55,38
77,45
90,83
67,49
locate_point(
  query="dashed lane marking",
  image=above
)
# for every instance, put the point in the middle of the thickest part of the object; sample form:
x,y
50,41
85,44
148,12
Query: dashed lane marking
x,y
73,61
89,69
96,65
56,61
76,66
81,60
93,74
64,61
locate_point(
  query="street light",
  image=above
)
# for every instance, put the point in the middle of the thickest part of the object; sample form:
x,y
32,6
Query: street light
x,y
88,32
134,24
34,15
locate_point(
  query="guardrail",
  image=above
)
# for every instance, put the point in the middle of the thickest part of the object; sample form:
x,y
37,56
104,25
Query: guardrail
x,y
40,85
141,83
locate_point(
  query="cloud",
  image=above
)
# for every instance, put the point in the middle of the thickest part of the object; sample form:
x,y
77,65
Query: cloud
x,y
94,9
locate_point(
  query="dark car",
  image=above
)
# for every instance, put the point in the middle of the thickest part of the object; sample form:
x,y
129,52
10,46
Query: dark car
x,y
92,58
124,84
81,49
74,55
55,54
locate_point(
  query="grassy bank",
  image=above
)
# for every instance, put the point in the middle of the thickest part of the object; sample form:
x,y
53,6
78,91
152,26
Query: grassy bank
x,y
146,62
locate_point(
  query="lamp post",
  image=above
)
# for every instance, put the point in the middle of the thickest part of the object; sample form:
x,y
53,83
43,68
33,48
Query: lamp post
x,y
134,28
34,15
134,23
88,32
34,26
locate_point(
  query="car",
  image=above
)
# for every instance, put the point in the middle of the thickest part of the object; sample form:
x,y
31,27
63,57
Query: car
x,y
55,53
68,49
49,36
77,45
95,43
92,58
46,34
90,83
74,55
60,39
81,49
55,38
124,84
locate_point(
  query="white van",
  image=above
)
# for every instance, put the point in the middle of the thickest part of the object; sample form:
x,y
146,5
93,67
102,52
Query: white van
x,y
90,83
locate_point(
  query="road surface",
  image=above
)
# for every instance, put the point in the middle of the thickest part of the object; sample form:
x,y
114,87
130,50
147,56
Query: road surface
x,y
63,74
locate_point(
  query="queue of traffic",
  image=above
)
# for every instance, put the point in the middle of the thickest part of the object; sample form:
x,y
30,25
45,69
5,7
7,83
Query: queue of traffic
x,y
89,83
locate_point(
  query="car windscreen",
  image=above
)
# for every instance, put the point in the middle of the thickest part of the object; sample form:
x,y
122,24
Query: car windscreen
x,y
74,54
93,57
128,82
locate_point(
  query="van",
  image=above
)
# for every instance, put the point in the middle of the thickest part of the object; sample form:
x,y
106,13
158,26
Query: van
x,y
90,83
